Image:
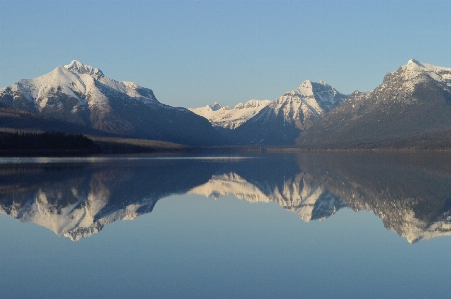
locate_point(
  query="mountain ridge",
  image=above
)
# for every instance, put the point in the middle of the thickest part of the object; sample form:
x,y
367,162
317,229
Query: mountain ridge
x,y
81,94
283,119
227,118
411,105
411,108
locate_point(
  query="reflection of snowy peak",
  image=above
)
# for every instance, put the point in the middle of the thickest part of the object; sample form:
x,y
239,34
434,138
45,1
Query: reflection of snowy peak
x,y
75,221
402,218
78,203
283,119
82,214
223,116
298,195
230,183
414,229
411,194
82,95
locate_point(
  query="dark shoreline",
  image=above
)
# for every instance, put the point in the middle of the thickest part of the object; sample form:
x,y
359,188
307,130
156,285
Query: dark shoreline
x,y
205,151
57,144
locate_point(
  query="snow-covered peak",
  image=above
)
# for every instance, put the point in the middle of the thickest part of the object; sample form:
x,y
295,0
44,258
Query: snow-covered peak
x,y
223,116
238,106
252,104
310,98
79,81
215,106
306,84
80,68
415,71
256,103
209,109
415,65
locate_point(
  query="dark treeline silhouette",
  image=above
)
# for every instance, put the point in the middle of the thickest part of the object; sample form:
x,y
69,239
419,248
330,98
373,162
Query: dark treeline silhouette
x,y
53,141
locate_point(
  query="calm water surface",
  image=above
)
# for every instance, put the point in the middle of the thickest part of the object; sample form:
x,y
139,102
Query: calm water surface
x,y
278,226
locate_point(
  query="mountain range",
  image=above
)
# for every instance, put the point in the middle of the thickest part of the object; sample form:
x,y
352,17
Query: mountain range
x,y
283,119
224,117
277,122
410,109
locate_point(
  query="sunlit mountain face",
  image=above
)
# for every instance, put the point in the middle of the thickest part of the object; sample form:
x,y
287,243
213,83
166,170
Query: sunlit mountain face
x,y
411,193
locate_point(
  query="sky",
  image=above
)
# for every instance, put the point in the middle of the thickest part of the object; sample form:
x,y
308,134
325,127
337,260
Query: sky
x,y
194,53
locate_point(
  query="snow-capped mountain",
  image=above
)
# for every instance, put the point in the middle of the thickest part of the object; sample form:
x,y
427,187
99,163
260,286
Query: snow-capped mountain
x,y
81,94
411,108
224,117
281,121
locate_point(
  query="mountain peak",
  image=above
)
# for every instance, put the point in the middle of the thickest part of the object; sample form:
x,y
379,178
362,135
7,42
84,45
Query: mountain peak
x,y
307,84
216,106
414,61
80,68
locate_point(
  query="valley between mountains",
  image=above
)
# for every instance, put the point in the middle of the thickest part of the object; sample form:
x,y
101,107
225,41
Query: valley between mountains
x,y
410,109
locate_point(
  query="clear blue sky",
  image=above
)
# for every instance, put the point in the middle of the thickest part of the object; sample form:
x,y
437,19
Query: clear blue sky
x,y
192,53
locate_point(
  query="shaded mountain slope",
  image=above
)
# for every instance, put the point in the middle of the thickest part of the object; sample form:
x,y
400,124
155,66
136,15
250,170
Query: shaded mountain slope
x,y
283,119
78,94
411,108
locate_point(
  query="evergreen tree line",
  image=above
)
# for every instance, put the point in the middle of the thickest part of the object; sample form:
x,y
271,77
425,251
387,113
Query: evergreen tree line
x,y
46,141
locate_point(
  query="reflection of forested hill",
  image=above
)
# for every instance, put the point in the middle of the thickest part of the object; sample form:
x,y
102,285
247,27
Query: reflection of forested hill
x,y
77,202
411,193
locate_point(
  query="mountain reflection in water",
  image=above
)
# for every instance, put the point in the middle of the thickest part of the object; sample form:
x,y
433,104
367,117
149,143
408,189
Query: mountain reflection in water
x,y
411,193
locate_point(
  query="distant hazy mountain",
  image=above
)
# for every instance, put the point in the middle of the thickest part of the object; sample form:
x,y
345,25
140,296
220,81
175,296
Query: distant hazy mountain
x,y
82,96
411,108
224,117
283,119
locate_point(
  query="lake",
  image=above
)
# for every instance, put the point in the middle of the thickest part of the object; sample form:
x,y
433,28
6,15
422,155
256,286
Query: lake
x,y
311,225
